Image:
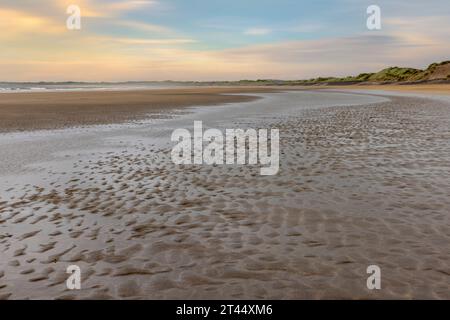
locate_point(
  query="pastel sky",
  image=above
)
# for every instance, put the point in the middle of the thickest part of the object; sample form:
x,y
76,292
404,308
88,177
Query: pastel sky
x,y
124,40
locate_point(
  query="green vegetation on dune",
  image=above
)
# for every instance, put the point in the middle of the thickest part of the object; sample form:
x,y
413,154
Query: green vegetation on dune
x,y
394,74
436,71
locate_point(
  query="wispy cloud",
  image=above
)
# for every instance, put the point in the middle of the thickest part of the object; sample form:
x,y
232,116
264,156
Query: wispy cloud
x,y
304,27
131,5
151,41
257,31
19,22
142,26
108,8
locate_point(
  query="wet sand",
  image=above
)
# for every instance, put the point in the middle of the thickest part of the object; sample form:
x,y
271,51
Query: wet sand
x,y
363,180
52,110
410,88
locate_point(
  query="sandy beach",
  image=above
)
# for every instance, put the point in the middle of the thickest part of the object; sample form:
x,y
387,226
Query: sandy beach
x,y
52,110
441,89
364,179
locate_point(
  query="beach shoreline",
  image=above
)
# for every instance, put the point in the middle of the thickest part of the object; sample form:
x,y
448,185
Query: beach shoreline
x,y
28,111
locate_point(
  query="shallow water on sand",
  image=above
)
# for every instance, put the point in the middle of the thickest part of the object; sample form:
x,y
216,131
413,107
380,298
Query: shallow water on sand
x,y
364,180
20,149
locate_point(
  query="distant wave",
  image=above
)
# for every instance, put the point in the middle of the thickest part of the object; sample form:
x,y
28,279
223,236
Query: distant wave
x,y
77,87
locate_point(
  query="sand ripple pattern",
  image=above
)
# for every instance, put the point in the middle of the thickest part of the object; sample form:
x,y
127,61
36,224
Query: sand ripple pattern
x,y
358,185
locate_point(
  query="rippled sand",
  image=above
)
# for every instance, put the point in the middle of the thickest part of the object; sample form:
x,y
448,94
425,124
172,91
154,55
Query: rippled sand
x,y
358,185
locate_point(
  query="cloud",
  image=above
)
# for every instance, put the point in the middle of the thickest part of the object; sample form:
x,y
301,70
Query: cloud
x,y
257,31
18,22
141,26
304,28
151,41
158,59
131,5
112,46
342,56
106,8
